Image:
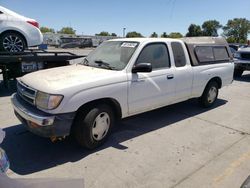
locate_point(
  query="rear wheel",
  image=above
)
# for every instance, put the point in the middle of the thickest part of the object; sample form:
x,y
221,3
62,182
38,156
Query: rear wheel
x,y
93,126
12,42
209,95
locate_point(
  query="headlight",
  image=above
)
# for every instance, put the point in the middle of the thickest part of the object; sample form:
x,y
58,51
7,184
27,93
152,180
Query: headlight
x,y
237,55
48,101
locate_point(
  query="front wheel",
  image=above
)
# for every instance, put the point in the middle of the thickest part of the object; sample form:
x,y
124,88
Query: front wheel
x,y
93,126
12,42
209,95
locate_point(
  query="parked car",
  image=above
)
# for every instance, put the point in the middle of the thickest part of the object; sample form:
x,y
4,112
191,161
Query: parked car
x,y
75,42
18,32
121,78
242,61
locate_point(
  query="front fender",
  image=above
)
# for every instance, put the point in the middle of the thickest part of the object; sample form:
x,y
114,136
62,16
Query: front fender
x,y
117,91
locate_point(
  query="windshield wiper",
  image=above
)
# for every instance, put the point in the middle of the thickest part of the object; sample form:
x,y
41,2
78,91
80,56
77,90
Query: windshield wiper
x,y
100,62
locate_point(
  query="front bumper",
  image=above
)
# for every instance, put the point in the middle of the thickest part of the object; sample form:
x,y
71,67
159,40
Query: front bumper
x,y
39,122
242,64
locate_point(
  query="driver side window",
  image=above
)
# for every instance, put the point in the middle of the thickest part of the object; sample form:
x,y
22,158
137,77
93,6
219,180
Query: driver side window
x,y
156,54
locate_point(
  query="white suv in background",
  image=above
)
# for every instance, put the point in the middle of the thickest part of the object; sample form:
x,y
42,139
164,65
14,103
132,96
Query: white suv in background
x,y
18,32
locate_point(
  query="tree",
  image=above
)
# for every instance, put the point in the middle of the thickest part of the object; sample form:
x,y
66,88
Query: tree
x,y
194,30
67,30
231,40
47,30
103,33
154,35
237,29
175,35
164,35
210,28
133,34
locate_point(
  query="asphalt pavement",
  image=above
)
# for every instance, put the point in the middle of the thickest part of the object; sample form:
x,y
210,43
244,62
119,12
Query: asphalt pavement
x,y
181,145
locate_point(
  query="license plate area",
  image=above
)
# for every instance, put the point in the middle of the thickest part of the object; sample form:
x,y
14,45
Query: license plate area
x,y
31,66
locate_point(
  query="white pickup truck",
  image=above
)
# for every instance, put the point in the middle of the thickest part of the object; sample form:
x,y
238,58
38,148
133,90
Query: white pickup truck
x,y
121,78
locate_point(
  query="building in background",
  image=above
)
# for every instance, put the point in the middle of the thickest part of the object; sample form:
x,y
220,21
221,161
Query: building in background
x,y
71,41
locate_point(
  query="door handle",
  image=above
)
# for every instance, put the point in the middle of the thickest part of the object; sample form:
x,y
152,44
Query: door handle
x,y
170,76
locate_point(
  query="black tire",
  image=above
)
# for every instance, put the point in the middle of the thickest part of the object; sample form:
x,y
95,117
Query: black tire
x,y
85,123
207,100
19,43
238,72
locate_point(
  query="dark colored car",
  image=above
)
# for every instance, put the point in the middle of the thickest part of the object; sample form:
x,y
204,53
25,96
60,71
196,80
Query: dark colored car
x,y
241,61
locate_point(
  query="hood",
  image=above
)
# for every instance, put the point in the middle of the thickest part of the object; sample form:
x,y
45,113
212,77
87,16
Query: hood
x,y
247,49
56,79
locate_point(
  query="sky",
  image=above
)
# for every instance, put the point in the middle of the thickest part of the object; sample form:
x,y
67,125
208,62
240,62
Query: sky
x,y
89,17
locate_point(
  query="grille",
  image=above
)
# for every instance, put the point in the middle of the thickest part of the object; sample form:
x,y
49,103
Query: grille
x,y
26,93
245,55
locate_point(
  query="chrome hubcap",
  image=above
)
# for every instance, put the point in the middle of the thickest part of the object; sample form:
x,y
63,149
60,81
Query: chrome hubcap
x,y
13,43
101,126
212,94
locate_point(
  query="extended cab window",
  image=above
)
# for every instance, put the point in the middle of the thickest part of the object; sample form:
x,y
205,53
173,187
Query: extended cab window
x,y
204,53
156,54
211,54
179,55
220,53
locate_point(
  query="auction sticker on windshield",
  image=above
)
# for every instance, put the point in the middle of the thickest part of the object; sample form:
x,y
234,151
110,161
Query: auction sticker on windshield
x,y
129,45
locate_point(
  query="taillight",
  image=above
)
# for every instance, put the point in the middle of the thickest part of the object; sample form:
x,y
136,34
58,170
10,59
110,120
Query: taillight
x,y
34,23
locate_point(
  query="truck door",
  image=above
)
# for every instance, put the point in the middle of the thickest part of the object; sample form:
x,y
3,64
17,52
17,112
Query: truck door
x,y
183,72
155,89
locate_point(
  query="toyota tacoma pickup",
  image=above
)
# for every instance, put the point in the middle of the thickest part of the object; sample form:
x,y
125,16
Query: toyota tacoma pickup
x,y
121,78
241,61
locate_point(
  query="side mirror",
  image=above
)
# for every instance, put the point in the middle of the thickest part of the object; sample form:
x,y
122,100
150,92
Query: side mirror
x,y
142,67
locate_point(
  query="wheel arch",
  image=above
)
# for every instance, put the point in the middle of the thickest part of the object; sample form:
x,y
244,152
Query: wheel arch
x,y
113,103
17,32
217,80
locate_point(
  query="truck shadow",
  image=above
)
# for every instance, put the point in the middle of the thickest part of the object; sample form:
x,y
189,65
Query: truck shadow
x,y
7,90
29,153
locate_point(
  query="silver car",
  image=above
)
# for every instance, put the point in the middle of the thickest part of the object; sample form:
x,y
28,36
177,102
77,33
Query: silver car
x,y
18,32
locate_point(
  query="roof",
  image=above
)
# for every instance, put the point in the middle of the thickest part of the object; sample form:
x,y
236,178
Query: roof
x,y
187,40
204,40
145,39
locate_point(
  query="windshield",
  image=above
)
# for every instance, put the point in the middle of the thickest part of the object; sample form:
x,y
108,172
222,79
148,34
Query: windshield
x,y
113,55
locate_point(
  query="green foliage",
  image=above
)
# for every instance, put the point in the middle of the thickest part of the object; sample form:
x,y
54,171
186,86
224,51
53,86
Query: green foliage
x,y
194,31
154,35
67,30
105,33
231,40
47,30
175,35
210,28
237,29
164,35
133,34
